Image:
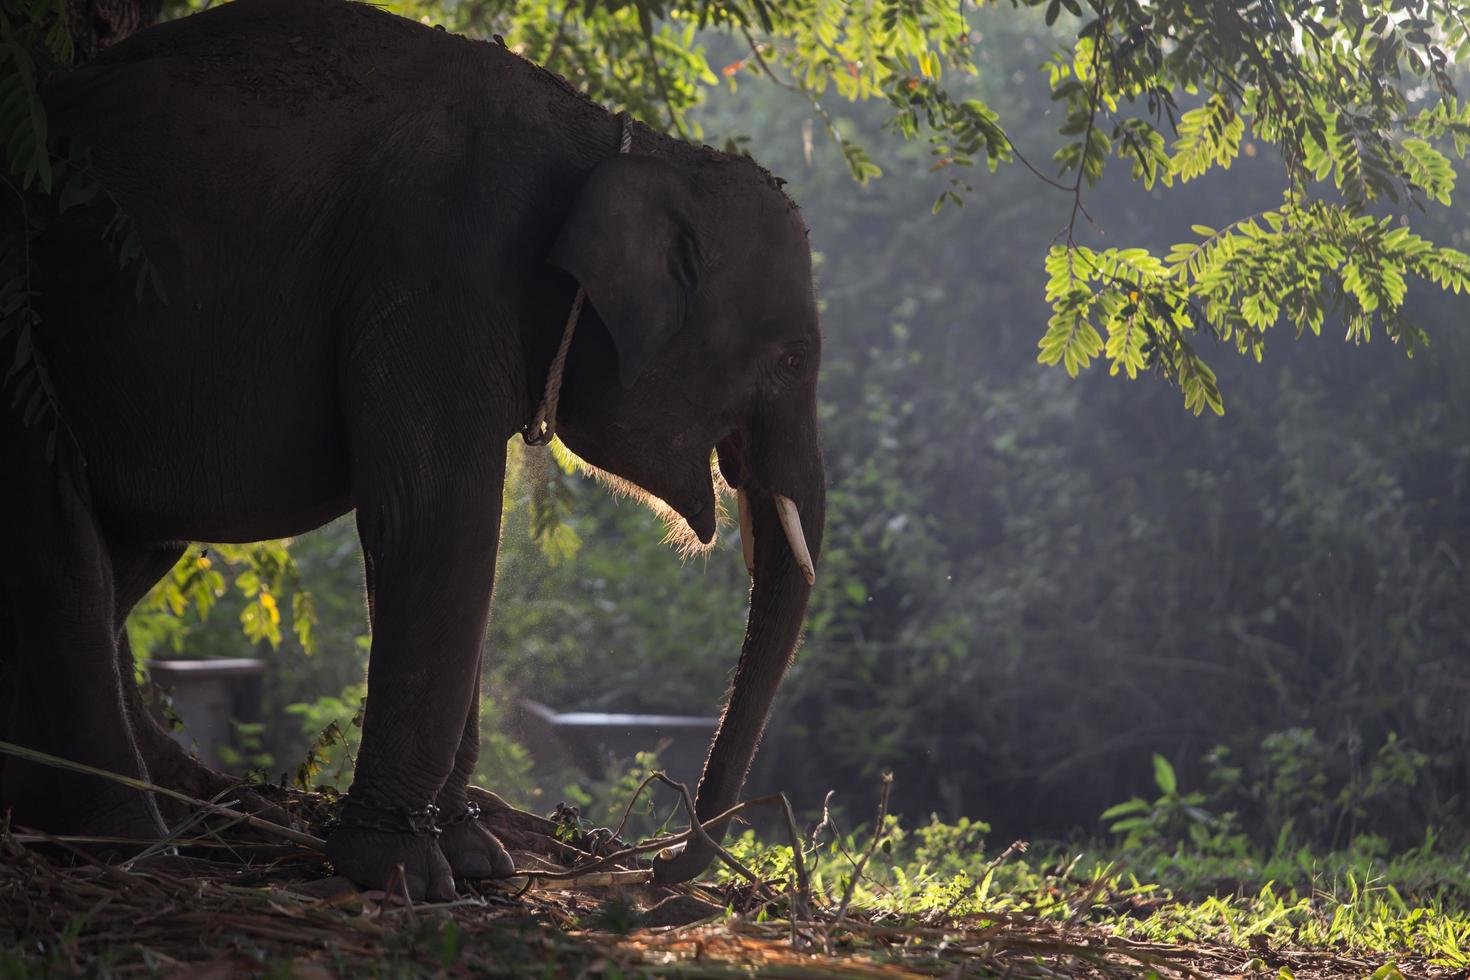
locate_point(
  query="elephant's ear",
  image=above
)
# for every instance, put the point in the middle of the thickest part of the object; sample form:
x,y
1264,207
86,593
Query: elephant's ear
x,y
629,240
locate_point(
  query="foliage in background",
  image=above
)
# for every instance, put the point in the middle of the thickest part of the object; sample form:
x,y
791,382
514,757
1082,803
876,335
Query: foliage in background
x,y
1030,585
264,576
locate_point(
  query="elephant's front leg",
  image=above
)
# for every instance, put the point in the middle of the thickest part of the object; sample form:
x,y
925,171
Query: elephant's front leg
x,y
430,526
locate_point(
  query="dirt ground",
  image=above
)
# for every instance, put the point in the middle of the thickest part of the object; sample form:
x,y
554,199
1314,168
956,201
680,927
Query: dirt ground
x,y
258,907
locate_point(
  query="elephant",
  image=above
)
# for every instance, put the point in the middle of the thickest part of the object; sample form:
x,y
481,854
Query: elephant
x,y
369,235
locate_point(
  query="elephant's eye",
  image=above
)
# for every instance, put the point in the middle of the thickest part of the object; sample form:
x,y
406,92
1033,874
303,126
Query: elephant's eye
x,y
791,362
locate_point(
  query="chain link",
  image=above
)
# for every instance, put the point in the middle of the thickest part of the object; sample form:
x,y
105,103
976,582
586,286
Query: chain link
x,y
357,815
470,814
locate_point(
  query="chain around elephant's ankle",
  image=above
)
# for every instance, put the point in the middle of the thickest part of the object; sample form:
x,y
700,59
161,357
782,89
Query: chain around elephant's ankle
x,y
357,814
470,813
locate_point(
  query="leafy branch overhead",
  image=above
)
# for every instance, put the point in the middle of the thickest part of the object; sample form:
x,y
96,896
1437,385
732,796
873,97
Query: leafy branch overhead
x,y
1358,99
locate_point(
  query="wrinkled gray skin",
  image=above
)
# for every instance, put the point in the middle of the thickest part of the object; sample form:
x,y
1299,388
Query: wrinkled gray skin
x,y
370,233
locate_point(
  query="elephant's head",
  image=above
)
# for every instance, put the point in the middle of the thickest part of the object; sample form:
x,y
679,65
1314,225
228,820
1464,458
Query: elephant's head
x,y
703,340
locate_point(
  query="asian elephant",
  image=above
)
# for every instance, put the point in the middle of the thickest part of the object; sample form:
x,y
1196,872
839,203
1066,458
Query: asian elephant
x,y
370,234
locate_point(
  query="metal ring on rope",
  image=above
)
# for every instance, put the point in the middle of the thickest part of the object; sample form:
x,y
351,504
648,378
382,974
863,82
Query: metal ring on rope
x,y
543,425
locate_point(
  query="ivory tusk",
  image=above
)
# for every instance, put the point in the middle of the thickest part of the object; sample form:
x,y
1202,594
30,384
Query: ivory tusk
x,y
791,524
747,539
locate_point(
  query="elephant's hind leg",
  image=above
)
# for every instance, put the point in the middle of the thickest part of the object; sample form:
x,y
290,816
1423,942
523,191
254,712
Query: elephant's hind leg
x,y
472,851
137,568
67,695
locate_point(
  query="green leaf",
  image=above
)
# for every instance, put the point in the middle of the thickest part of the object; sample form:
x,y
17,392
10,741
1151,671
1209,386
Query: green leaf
x,y
79,190
27,145
1134,805
1132,823
1164,776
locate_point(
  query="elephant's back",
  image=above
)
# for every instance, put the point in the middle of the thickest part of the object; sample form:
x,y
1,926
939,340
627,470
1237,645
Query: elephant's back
x,y
296,57
275,117
278,87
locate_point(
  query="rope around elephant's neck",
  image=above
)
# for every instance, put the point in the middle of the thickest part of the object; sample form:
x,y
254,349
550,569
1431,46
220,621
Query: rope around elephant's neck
x,y
543,425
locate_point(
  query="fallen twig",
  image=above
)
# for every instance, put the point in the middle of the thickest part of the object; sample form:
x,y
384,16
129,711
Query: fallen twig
x,y
597,879
697,831
880,832
257,823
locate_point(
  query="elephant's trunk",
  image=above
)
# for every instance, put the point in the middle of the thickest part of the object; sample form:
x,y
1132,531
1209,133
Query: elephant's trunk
x,y
778,600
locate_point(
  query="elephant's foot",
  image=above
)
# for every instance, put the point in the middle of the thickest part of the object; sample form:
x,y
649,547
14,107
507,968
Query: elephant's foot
x,y
37,796
472,851
63,803
371,858
116,816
